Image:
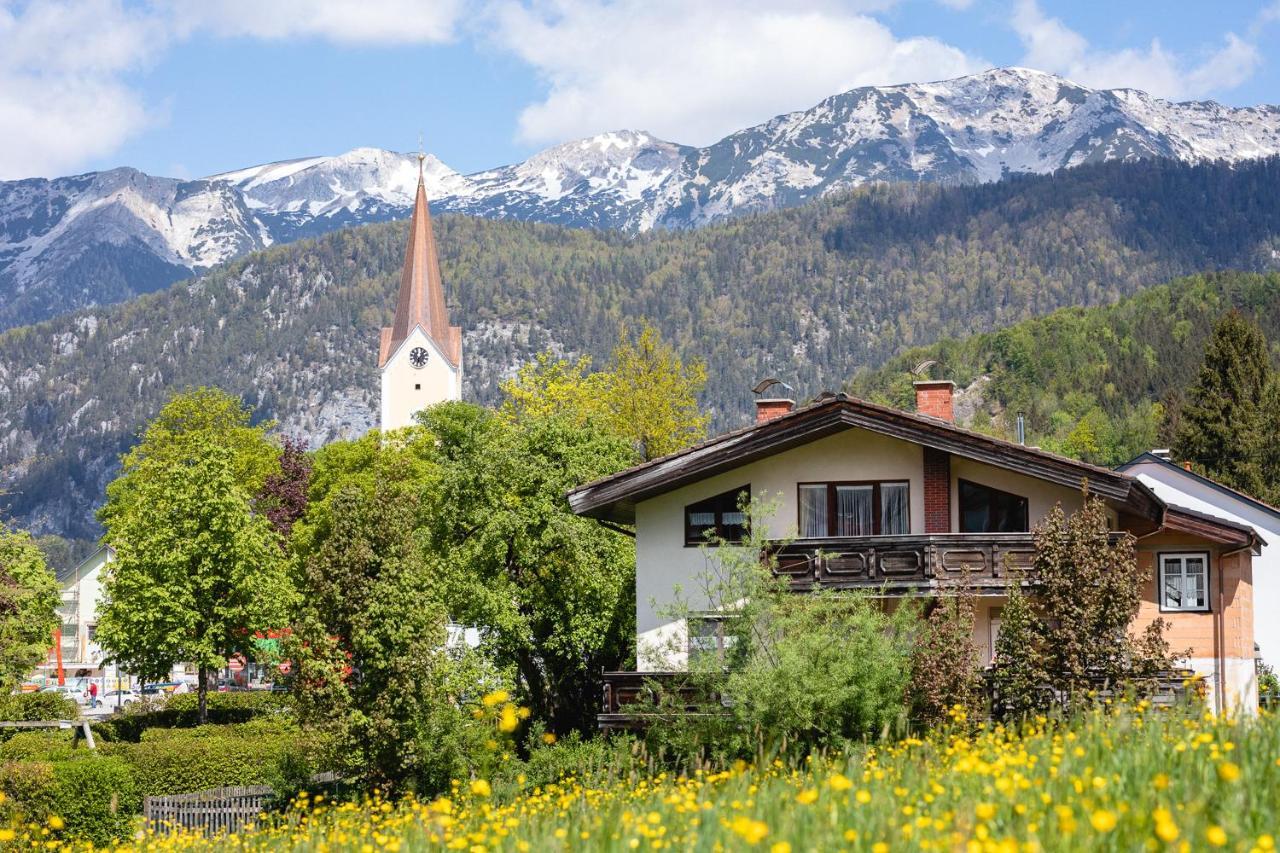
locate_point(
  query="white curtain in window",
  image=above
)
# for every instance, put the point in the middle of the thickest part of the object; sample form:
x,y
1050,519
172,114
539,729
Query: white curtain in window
x,y
1193,582
854,510
813,511
894,511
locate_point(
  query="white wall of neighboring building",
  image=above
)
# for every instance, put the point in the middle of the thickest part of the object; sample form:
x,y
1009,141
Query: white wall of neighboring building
x,y
1181,488
407,389
664,562
81,598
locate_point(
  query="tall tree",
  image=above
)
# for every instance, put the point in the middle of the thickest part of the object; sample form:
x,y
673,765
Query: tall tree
x,y
28,602
552,593
647,394
198,571
1221,425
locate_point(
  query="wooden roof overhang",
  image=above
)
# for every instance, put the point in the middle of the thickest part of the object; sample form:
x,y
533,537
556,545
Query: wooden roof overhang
x,y
1235,536
614,498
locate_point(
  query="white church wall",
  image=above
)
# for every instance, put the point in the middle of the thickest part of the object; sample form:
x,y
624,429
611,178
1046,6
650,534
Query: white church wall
x,y
407,389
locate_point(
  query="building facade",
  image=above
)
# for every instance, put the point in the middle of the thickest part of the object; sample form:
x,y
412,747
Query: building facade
x,y
904,504
419,354
1179,485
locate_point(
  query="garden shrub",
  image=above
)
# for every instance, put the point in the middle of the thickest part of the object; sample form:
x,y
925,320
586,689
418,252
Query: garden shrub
x,y
27,787
591,760
46,745
95,796
181,711
31,707
179,761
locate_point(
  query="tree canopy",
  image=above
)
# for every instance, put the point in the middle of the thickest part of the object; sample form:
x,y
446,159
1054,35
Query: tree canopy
x,y
28,602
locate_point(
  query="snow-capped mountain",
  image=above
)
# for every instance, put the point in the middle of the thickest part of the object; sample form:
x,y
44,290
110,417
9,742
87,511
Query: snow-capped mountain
x,y
102,237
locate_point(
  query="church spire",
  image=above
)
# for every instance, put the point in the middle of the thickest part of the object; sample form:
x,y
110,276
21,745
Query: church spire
x,y
421,301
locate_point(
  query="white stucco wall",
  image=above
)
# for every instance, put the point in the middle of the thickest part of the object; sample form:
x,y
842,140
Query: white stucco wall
x,y
407,389
664,562
1187,491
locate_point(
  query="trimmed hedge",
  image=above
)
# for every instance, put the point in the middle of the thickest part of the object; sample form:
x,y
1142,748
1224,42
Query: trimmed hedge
x,y
95,796
30,707
174,761
182,711
40,745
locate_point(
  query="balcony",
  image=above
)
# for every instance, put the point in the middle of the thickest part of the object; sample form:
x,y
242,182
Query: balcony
x,y
903,564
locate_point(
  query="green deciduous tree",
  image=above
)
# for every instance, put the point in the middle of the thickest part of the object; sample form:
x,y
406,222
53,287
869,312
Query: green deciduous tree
x,y
647,394
371,662
28,598
1075,632
198,571
552,593
1221,428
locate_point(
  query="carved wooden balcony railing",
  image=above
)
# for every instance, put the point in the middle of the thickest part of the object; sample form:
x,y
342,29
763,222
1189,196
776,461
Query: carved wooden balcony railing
x,y
906,563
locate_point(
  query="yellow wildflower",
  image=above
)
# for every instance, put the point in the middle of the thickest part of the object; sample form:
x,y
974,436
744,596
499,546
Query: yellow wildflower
x,y
1228,771
839,782
1103,820
497,697
1216,835
807,797
780,847
480,788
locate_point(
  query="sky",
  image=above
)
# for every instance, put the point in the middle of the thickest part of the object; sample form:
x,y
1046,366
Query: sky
x,y
189,88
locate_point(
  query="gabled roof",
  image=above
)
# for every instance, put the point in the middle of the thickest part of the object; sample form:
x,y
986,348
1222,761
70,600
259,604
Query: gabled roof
x,y
421,302
615,497
1149,457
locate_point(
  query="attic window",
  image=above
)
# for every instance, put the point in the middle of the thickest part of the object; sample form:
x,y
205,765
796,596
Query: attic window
x,y
417,386
720,517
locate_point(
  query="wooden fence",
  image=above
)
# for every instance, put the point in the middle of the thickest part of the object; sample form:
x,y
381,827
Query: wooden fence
x,y
215,811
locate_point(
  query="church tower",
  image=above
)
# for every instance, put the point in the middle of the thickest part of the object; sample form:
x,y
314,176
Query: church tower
x,y
420,355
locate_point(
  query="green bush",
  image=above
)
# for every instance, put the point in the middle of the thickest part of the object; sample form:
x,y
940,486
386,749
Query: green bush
x,y
177,761
95,796
28,788
39,745
29,707
594,760
182,711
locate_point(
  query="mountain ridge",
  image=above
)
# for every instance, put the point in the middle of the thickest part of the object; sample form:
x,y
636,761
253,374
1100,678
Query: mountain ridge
x,y
809,294
973,129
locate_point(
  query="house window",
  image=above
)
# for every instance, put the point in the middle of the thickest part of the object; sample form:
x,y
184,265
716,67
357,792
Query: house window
x,y
708,638
1184,582
717,518
854,509
987,510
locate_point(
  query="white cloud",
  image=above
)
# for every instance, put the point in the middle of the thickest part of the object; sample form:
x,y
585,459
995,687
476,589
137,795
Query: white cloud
x,y
61,99
1051,45
64,95
341,21
693,72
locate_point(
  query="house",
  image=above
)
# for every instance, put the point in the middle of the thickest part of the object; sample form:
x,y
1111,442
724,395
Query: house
x,y
1178,484
902,503
80,592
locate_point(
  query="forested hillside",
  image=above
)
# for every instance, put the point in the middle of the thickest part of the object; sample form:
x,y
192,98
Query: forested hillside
x,y
810,295
1103,383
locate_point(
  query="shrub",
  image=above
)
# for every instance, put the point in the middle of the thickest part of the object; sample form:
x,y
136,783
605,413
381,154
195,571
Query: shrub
x,y
46,745
591,760
178,761
944,660
31,707
181,711
95,796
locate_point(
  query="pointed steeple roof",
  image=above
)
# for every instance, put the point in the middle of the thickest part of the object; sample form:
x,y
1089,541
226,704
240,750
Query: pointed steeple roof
x,y
421,301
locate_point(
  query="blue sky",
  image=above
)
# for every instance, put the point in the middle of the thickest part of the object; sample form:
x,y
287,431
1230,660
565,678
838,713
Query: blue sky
x,y
193,87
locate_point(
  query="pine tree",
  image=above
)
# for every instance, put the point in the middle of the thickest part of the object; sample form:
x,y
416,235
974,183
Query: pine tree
x,y
1222,422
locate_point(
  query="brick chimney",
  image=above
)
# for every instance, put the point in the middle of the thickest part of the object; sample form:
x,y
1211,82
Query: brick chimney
x,y
768,408
933,398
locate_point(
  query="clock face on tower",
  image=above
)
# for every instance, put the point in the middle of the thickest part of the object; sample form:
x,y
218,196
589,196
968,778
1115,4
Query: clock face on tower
x,y
418,357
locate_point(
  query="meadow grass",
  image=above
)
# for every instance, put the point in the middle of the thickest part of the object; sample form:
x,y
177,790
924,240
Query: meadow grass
x,y
1124,778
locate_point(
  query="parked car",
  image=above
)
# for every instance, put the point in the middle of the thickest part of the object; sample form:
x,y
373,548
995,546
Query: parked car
x,y
71,692
114,698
